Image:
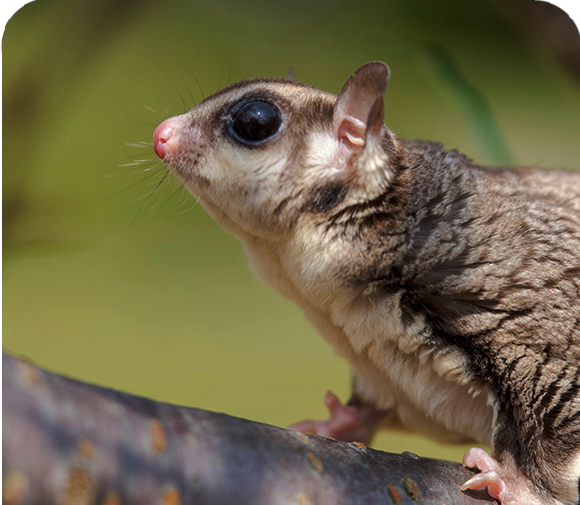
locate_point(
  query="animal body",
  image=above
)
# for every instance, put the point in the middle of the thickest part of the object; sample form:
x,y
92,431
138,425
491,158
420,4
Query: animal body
x,y
453,290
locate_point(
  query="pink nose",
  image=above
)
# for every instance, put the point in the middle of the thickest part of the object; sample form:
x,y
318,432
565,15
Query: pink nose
x,y
162,135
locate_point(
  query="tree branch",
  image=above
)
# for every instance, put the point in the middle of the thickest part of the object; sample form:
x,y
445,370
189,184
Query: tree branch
x,y
68,442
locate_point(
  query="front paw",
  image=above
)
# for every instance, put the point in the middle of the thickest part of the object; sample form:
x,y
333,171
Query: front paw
x,y
345,423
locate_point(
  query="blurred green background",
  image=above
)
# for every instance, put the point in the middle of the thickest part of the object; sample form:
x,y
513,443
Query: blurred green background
x,y
112,282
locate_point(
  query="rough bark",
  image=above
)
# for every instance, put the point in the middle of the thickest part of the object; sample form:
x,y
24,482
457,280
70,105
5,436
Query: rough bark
x,y
68,442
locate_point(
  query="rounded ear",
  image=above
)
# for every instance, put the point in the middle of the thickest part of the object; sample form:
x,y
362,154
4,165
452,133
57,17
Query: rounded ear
x,y
358,111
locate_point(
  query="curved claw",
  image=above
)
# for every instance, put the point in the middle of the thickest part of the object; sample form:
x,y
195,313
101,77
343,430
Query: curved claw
x,y
491,479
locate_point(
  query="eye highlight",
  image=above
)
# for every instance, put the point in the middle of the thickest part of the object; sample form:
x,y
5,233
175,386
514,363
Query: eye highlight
x,y
255,122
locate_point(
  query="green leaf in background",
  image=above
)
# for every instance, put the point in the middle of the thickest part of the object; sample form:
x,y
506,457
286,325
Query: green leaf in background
x,y
485,133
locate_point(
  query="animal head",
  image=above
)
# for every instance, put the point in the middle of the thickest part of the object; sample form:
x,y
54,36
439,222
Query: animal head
x,y
261,154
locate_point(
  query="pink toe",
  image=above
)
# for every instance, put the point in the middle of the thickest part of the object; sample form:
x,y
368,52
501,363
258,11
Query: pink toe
x,y
332,402
478,458
491,480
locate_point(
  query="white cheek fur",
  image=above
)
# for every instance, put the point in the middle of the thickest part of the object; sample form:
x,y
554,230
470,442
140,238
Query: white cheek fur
x,y
244,184
323,155
327,158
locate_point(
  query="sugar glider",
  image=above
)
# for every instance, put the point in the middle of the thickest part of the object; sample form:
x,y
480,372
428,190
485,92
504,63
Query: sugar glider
x,y
452,289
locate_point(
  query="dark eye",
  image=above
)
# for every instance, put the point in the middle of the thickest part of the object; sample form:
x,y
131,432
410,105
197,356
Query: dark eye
x,y
255,122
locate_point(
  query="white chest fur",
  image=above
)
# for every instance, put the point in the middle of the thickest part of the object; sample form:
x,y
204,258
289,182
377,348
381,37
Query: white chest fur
x,y
422,385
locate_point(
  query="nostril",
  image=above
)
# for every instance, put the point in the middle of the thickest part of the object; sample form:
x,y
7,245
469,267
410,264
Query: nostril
x,y
162,135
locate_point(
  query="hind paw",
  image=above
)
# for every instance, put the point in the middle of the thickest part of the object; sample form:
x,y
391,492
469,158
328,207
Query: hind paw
x,y
489,476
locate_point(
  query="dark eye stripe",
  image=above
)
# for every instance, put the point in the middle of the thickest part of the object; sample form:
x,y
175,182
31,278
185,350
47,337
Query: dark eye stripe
x,y
255,122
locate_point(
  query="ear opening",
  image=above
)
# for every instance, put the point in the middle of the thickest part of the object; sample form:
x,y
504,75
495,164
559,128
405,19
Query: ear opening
x,y
351,134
